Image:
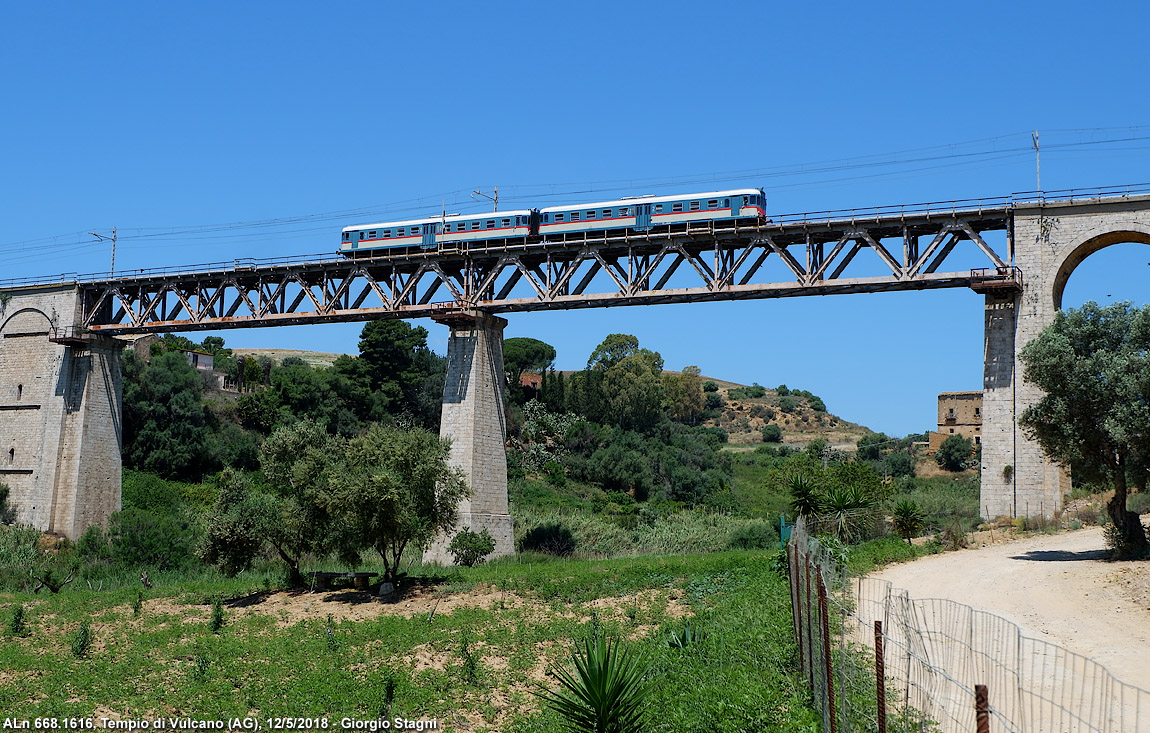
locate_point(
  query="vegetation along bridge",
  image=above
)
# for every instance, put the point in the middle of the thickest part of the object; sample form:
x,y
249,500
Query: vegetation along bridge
x,y
60,379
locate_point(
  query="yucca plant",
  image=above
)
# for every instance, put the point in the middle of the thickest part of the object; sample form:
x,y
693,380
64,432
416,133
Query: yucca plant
x,y
848,510
805,497
908,520
607,693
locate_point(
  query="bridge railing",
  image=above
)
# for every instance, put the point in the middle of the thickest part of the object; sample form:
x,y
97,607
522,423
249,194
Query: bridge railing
x,y
1071,195
977,206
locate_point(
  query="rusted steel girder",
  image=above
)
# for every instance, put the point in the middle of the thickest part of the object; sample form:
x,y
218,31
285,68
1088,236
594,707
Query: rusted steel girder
x,y
717,261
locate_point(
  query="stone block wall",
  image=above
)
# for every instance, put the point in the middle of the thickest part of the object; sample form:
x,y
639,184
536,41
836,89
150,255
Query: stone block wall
x,y
1049,241
60,429
473,419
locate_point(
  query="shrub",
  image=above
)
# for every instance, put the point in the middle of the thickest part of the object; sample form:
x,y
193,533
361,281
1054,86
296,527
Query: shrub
x,y
954,535
816,404
556,474
17,625
551,538
1138,503
713,401
782,390
772,434
789,403
755,535
710,386
81,640
954,453
7,511
471,548
217,621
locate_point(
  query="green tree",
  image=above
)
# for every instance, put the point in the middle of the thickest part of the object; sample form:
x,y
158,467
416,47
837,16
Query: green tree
x,y
633,390
525,354
772,434
683,395
954,453
293,515
613,350
816,448
873,446
165,425
395,489
1093,363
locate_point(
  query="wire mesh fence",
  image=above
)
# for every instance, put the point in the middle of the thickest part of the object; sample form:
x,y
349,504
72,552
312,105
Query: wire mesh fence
x,y
877,660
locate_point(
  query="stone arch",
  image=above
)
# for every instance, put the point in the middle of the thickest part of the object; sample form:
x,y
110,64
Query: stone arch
x,y
27,319
1073,256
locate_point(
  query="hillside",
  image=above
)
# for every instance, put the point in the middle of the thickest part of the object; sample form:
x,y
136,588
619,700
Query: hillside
x,y
315,359
744,416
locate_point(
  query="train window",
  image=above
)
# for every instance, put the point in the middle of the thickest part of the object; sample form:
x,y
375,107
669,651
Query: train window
x,y
574,216
624,211
361,235
558,217
474,225
677,207
371,235
658,208
726,203
387,234
506,222
606,213
713,204
746,200
590,214
489,224
346,236
694,206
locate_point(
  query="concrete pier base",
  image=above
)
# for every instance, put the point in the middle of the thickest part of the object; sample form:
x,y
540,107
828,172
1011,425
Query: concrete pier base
x,y
474,420
60,424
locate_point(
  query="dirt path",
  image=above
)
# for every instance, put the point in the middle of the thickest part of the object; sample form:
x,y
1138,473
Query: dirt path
x,y
1055,587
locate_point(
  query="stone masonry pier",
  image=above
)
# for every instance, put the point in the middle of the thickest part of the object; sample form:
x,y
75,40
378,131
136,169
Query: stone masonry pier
x,y
60,418
1050,239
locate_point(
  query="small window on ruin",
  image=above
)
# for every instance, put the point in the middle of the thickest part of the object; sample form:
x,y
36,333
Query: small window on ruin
x,y
11,456
952,430
19,391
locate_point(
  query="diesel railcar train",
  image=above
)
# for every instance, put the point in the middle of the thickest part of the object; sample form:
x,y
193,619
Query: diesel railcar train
x,y
638,214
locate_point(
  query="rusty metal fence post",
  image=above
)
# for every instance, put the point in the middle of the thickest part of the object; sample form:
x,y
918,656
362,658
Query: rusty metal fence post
x,y
879,677
981,709
825,620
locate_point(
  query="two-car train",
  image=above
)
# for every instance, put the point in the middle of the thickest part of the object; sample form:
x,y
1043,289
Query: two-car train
x,y
554,223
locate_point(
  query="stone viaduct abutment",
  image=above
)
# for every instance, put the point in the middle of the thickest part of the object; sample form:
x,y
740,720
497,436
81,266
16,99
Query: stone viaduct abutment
x,y
60,430
1049,241
60,384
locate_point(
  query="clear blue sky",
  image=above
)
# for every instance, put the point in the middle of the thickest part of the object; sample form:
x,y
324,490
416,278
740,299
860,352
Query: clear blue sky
x,y
168,120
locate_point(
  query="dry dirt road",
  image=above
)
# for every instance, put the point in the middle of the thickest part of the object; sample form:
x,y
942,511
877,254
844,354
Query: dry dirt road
x,y
1055,587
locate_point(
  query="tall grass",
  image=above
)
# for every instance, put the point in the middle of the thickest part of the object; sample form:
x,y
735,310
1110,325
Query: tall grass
x,y
677,533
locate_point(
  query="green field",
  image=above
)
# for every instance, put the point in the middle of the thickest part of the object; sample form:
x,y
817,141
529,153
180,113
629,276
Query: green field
x,y
465,646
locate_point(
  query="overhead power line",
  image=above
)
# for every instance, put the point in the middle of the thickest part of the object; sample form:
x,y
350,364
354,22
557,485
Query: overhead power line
x,y
912,162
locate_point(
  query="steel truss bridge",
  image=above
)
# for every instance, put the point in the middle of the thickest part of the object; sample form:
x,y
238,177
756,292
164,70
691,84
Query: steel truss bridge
x,y
717,260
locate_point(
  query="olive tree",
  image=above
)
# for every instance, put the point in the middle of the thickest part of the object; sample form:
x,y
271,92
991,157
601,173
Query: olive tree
x,y
394,489
1093,363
